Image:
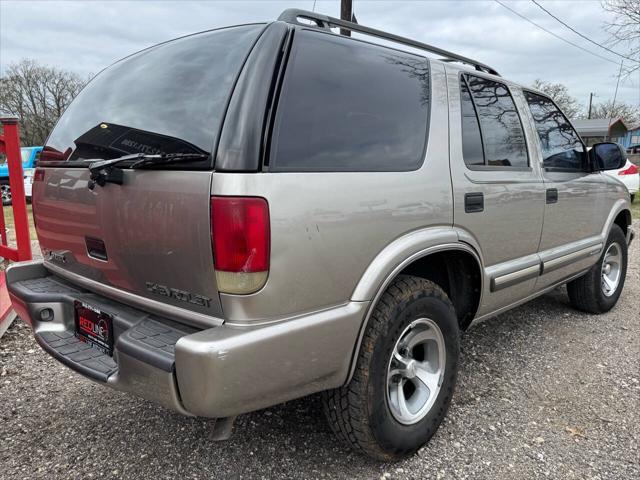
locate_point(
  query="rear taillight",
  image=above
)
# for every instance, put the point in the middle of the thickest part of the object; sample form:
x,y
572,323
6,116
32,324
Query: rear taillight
x,y
632,170
240,236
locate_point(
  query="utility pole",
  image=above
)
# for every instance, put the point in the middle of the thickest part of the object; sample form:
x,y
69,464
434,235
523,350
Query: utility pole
x,y
591,95
346,13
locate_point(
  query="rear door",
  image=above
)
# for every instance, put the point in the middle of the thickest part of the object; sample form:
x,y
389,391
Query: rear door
x,y
498,192
149,236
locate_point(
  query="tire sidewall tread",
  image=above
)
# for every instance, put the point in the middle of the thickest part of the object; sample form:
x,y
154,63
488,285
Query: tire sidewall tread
x,y
358,412
585,293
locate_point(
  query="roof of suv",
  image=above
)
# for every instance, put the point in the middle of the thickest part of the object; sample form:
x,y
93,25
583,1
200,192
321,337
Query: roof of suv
x,y
303,18
307,19
310,19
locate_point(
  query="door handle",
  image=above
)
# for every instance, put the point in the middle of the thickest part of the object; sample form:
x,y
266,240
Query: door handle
x,y
473,202
552,195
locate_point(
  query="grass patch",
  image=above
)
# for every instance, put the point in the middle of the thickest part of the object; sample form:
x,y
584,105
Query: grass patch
x,y
635,208
9,224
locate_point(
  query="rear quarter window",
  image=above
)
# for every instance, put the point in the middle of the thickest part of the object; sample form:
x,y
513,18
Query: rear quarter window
x,y
347,105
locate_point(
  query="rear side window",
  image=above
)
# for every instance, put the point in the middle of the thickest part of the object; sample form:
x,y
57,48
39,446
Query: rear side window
x,y
167,99
561,145
492,133
347,105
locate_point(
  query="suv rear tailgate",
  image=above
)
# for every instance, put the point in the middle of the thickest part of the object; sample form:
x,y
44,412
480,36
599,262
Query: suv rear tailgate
x,y
147,236
150,236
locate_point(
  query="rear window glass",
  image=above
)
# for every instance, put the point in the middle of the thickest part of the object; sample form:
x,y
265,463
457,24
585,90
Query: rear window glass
x,y
350,106
492,133
167,99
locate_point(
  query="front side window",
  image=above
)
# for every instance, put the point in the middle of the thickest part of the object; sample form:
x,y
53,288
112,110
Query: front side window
x,y
561,145
492,133
347,105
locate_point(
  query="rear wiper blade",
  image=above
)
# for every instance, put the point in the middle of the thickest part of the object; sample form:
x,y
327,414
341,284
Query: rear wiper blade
x,y
105,171
146,159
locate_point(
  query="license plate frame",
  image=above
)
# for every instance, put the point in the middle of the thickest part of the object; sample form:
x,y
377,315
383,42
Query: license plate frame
x,y
94,326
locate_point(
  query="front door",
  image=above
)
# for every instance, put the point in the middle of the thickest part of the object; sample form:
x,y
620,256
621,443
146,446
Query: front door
x,y
575,199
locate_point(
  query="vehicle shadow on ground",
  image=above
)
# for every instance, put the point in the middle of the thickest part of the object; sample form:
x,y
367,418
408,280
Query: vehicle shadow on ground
x,y
57,424
295,435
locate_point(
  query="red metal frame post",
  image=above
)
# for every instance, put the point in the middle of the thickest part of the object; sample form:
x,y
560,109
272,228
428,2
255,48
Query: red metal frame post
x,y
3,228
16,182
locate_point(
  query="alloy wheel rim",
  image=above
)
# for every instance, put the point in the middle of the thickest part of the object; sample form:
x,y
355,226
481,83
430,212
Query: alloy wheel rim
x,y
415,371
6,192
610,269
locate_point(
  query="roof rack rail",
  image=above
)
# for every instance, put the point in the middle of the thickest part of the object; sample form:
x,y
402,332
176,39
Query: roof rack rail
x,y
293,16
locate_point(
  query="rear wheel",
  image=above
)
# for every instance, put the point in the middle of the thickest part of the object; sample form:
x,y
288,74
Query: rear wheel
x,y
5,191
598,290
405,373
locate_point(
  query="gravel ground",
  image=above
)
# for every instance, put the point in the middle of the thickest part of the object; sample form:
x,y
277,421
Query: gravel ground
x,y
543,392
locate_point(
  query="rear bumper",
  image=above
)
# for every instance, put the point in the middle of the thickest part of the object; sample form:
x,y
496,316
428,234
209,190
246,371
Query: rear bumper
x,y
632,182
217,372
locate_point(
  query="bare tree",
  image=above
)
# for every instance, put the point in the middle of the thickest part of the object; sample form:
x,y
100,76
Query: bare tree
x,y
560,95
38,95
624,29
628,113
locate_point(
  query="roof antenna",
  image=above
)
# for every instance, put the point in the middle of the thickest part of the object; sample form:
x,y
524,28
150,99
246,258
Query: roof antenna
x,y
314,6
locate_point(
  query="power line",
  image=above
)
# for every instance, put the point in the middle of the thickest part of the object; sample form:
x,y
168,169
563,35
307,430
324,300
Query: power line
x,y
583,36
555,35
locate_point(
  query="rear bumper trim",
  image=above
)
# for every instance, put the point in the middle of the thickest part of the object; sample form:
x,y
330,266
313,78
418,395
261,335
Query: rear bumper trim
x,y
159,308
217,372
76,354
143,359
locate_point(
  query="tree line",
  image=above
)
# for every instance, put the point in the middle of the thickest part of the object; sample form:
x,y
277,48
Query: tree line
x,y
630,114
38,94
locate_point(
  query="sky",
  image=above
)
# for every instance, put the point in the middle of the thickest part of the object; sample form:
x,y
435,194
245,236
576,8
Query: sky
x,y
86,36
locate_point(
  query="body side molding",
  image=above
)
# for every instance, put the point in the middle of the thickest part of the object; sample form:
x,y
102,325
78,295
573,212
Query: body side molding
x,y
509,279
559,262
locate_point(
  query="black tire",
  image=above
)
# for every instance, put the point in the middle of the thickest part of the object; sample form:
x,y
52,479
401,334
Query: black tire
x,y
359,413
586,293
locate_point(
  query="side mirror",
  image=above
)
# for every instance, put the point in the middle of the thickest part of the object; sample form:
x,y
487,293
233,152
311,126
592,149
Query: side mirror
x,y
607,156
